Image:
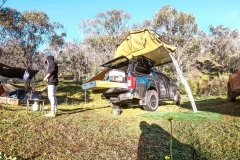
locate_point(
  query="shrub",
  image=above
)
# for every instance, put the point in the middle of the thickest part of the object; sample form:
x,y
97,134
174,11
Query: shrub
x,y
193,86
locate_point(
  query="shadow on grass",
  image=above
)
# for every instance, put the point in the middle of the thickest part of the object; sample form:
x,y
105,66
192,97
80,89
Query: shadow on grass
x,y
77,110
215,104
71,88
154,143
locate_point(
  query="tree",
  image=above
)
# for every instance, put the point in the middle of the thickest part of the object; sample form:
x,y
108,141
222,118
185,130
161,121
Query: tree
x,y
178,29
222,45
102,34
72,60
3,1
24,33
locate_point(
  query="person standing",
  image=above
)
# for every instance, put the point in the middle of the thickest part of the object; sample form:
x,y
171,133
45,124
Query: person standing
x,y
52,79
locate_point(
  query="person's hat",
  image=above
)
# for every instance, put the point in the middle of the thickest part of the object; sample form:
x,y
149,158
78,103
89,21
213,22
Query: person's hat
x,y
48,58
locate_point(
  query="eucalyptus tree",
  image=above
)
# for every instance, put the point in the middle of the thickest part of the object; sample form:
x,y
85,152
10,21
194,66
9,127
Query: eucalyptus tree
x,y
72,60
223,45
23,33
178,29
103,33
9,33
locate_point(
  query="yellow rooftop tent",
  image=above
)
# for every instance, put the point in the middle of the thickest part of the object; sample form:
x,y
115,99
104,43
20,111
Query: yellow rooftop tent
x,y
147,43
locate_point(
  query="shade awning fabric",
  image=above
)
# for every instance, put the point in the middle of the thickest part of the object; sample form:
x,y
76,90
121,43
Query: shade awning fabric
x,y
147,43
14,72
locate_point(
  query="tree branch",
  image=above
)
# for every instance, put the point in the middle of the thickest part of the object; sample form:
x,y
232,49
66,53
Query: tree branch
x,y
4,1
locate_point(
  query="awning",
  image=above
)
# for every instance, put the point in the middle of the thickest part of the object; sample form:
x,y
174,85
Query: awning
x,y
147,43
14,72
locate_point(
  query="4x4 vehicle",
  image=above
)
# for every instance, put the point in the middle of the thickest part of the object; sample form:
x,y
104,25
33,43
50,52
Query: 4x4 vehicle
x,y
141,84
233,85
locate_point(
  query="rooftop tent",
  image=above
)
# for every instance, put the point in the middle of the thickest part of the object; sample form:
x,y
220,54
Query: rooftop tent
x,y
147,43
14,72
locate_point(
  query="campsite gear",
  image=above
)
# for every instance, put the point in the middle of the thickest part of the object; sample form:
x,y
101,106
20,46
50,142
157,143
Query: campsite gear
x,y
184,82
35,95
19,94
26,75
115,75
40,103
99,84
147,43
14,72
35,106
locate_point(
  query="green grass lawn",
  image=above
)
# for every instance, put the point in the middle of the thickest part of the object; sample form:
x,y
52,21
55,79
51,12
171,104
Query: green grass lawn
x,y
89,130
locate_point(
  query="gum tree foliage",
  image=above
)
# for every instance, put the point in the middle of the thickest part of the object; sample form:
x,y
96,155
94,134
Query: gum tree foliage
x,y
222,45
147,23
23,33
178,29
102,34
72,61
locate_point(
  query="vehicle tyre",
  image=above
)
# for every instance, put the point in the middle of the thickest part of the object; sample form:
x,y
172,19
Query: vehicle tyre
x,y
152,101
177,98
231,94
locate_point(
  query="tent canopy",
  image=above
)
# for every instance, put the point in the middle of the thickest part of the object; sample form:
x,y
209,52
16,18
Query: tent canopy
x,y
147,43
14,72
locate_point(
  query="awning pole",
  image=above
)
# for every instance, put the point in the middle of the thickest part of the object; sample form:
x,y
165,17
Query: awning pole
x,y
184,82
85,96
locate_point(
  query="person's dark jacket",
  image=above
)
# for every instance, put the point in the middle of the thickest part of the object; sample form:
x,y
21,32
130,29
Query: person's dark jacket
x,y
53,71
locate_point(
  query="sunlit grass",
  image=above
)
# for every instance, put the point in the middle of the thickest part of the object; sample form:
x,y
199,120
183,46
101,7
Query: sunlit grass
x,y
184,116
89,130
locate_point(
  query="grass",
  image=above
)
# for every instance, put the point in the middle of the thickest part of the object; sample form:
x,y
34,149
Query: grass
x,y
89,130
184,116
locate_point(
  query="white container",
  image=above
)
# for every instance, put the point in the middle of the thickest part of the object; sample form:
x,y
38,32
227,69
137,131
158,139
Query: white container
x,y
35,106
116,75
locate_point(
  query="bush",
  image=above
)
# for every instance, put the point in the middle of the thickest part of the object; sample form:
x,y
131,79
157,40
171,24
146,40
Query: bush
x,y
218,85
206,86
193,86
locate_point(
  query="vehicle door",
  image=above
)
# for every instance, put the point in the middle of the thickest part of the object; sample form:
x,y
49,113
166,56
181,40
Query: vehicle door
x,y
235,80
163,86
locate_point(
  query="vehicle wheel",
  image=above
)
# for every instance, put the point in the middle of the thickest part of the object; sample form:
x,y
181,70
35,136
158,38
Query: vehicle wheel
x,y
152,101
177,98
231,95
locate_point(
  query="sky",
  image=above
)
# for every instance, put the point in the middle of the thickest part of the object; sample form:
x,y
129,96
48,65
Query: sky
x,y
70,12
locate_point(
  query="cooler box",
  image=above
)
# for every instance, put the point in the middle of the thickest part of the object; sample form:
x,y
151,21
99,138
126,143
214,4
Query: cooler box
x,y
116,75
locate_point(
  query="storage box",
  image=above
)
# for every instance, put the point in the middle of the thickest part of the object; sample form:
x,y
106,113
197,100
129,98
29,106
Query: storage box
x,y
7,100
116,75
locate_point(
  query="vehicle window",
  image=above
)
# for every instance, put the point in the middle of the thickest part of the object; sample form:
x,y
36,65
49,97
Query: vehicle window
x,y
142,70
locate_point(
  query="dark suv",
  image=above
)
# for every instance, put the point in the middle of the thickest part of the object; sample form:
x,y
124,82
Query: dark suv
x,y
144,85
